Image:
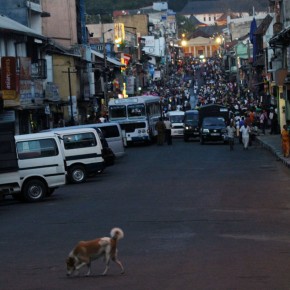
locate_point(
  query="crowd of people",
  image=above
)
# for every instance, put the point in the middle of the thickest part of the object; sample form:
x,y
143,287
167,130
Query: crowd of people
x,y
194,83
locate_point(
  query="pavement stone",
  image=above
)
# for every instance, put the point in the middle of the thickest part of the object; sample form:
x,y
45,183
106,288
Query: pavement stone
x,y
273,143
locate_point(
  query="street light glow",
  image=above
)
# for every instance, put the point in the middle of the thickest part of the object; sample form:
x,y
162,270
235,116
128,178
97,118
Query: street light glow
x,y
184,42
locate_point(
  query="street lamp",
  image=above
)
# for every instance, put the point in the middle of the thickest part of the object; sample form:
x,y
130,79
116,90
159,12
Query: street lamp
x,y
105,65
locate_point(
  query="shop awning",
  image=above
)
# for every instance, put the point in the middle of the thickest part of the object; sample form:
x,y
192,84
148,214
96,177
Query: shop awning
x,y
109,59
9,25
282,38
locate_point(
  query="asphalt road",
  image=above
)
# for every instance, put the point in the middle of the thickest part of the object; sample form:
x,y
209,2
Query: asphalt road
x,y
194,216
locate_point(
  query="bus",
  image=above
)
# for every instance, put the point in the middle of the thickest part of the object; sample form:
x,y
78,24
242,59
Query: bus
x,y
137,117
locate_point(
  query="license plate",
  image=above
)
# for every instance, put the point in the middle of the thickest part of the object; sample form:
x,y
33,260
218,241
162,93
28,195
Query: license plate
x,y
215,134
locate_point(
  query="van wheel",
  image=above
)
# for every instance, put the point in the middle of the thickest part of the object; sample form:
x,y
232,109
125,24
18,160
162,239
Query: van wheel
x,y
77,174
34,190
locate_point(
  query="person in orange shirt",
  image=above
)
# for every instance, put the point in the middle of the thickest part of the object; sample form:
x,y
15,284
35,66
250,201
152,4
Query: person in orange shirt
x,y
252,116
285,141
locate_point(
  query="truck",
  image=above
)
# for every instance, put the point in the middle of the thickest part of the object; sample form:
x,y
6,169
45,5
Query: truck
x,y
213,120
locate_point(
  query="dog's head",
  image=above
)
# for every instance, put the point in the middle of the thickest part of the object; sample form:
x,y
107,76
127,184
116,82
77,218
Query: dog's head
x,y
70,265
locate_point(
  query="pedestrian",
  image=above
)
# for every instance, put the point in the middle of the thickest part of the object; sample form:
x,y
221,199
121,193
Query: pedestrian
x,y
285,141
168,136
241,124
160,128
263,121
274,123
231,135
245,132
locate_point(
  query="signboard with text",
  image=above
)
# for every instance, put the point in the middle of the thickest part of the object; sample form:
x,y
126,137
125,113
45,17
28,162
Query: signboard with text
x,y
10,78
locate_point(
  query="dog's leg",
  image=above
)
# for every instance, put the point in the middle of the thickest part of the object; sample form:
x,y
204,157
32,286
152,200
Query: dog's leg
x,y
107,259
80,265
89,269
117,261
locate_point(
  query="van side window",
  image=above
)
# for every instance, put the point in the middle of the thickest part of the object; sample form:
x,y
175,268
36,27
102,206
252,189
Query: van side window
x,y
81,140
110,131
36,149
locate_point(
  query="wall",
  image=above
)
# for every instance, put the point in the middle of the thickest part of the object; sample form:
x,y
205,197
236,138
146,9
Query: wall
x,y
61,26
138,21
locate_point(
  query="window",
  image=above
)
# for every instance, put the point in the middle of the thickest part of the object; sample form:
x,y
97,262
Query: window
x,y
117,111
136,110
36,149
81,140
110,131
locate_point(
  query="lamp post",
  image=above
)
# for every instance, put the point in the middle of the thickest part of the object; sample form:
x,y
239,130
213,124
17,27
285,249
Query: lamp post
x,y
105,68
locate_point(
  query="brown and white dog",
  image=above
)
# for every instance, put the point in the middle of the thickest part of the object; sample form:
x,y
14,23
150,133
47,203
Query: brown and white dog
x,y
87,251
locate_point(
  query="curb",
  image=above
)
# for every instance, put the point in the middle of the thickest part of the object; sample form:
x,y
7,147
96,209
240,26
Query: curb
x,y
277,153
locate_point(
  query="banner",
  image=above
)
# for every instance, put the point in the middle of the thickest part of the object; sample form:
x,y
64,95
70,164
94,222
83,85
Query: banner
x,y
10,78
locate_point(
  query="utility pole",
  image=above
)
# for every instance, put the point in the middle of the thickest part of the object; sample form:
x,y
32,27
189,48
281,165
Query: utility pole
x,y
105,69
72,120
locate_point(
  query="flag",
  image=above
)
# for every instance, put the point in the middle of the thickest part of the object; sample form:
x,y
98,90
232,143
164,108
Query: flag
x,y
253,38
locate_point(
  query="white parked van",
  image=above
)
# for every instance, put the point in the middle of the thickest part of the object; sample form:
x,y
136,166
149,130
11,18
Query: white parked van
x,y
177,123
113,134
82,151
32,165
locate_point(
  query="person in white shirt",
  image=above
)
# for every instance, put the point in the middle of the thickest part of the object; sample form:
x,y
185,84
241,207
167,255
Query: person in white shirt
x,y
231,135
245,131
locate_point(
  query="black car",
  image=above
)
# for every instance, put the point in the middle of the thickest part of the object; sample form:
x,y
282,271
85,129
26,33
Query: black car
x,y
212,129
191,127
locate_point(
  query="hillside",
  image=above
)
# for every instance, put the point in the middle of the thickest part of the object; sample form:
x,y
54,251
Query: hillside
x,y
107,6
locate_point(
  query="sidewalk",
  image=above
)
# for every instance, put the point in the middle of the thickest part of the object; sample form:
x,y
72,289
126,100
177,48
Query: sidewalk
x,y
273,143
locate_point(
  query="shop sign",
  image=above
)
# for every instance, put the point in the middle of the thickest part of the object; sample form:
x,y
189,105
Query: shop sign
x,y
130,85
7,117
10,78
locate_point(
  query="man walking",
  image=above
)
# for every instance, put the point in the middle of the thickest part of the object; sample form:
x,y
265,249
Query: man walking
x,y
168,136
160,128
231,135
245,131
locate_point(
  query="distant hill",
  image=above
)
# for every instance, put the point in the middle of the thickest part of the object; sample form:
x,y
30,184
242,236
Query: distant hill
x,y
221,6
108,6
94,7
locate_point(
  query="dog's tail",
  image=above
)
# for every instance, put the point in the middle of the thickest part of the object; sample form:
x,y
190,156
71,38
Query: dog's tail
x,y
117,233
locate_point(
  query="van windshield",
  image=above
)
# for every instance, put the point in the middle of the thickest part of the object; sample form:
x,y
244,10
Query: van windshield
x,y
191,119
214,122
176,118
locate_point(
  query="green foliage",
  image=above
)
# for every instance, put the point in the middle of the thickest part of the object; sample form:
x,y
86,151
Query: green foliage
x,y
185,26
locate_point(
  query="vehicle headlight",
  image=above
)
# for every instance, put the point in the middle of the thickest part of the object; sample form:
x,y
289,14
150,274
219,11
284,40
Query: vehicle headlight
x,y
139,131
143,131
205,130
187,127
224,131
